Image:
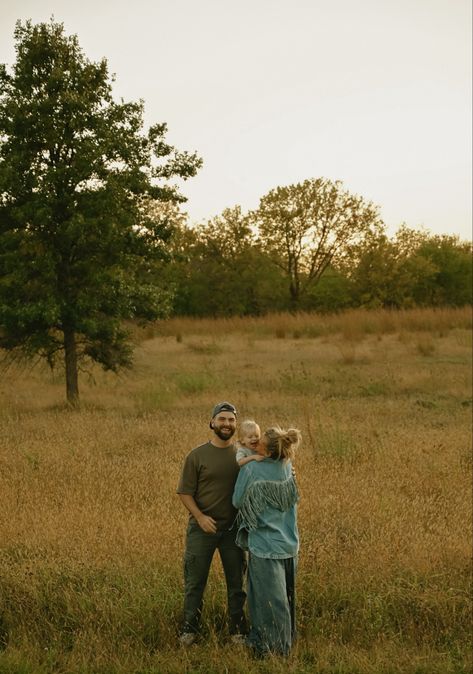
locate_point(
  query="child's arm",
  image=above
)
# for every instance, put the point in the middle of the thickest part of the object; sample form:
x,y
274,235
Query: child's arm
x,y
245,459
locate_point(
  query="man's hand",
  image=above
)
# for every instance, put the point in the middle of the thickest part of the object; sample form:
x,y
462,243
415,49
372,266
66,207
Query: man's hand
x,y
207,524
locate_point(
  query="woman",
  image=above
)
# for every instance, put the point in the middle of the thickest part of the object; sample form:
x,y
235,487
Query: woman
x,y
266,496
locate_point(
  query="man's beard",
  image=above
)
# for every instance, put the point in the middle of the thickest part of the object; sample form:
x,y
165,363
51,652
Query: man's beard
x,y
224,434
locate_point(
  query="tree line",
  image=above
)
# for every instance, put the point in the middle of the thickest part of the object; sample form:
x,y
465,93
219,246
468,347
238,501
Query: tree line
x,y
233,265
92,231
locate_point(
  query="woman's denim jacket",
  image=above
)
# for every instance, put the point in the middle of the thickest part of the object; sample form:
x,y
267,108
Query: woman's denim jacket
x,y
266,496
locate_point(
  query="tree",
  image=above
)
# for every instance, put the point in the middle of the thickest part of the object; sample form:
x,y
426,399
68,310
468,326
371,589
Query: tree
x,y
414,268
78,238
219,269
220,256
385,272
308,226
332,293
451,283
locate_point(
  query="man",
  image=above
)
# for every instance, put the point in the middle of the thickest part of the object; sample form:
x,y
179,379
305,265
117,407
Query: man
x,y
206,488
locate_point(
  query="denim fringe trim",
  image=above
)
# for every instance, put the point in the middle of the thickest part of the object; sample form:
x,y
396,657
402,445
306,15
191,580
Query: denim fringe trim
x,y
263,494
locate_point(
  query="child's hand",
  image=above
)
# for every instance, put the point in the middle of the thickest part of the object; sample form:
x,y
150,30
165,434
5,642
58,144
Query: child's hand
x,y
259,457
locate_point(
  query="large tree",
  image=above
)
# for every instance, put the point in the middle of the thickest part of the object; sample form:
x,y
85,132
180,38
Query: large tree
x,y
308,226
78,237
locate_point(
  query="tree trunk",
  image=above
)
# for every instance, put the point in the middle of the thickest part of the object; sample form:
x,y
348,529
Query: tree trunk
x,y
294,295
72,379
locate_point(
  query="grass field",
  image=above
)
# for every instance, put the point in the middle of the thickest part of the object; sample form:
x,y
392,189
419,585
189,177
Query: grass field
x,y
92,533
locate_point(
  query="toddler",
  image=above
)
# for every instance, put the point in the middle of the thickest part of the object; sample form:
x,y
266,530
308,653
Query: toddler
x,y
249,436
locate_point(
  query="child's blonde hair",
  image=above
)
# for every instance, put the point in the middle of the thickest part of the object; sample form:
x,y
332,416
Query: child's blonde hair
x,y
281,443
245,426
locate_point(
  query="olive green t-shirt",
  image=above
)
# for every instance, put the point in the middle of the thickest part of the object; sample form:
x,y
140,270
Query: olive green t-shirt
x,y
209,475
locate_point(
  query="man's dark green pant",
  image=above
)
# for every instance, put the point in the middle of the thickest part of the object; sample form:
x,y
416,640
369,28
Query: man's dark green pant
x,y
200,548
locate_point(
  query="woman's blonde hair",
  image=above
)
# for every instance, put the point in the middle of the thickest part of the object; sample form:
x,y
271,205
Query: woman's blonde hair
x,y
281,443
246,425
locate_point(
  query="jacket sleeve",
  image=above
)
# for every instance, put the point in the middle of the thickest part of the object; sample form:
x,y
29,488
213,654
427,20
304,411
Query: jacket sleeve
x,y
243,480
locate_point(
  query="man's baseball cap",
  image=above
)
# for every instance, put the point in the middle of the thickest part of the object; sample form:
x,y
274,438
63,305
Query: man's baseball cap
x,y
223,407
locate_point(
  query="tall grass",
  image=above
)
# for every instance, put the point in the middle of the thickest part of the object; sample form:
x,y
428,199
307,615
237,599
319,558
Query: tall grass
x,y
91,531
353,324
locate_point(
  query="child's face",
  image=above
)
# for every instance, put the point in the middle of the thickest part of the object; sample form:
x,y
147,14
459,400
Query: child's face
x,y
250,438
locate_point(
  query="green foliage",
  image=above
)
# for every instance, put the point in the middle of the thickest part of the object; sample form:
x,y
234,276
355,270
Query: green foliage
x,y
412,269
331,293
305,227
220,270
451,282
79,239
387,270
239,264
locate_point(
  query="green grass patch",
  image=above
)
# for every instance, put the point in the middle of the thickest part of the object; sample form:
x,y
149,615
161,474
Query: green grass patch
x,y
155,398
333,441
191,383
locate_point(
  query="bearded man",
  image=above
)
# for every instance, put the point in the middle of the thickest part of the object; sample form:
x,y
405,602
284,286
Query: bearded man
x,y
206,488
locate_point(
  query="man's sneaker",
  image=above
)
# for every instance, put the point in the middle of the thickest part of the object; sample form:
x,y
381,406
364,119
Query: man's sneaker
x,y
187,638
238,639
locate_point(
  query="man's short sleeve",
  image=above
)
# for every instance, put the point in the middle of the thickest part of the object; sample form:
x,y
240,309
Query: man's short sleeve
x,y
189,476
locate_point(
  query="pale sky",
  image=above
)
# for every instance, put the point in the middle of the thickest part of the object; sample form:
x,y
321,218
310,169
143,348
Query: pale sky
x,y
375,93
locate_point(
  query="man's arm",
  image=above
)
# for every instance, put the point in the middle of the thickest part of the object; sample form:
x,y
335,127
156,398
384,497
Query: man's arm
x,y
205,522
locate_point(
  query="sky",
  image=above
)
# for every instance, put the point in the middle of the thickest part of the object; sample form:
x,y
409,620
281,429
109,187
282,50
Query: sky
x,y
375,93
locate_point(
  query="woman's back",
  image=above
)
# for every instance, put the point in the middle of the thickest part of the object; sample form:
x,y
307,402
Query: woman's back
x,y
266,495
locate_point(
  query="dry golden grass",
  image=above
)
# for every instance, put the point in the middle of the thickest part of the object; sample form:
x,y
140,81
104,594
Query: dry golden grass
x,y
91,531
352,324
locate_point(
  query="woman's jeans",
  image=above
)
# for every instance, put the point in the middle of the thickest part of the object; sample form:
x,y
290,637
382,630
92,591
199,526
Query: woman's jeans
x,y
200,548
271,604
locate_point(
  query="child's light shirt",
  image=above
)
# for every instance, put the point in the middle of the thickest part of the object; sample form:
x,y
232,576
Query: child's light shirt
x,y
243,452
